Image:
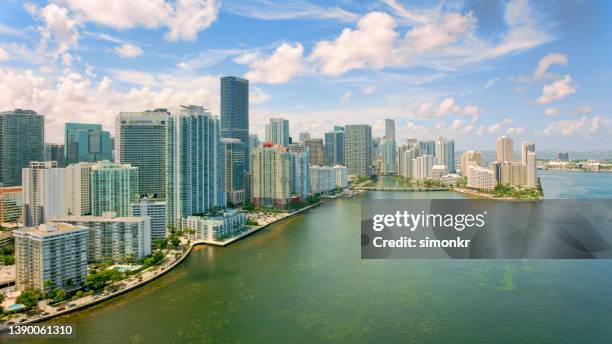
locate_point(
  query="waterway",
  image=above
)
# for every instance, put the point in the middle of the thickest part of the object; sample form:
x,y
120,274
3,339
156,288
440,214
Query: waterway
x,y
302,280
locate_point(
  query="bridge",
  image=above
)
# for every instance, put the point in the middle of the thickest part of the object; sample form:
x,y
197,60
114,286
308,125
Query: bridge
x,y
399,188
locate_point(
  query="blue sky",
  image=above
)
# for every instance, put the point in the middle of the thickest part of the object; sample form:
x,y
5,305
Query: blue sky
x,y
468,70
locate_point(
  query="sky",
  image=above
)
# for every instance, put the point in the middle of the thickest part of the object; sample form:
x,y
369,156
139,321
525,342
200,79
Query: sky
x,y
468,70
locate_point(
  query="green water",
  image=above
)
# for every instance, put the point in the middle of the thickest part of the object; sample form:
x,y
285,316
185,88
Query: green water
x,y
302,280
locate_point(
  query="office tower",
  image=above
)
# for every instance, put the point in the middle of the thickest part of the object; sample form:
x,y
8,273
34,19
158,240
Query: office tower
x,y
427,148
422,167
510,172
234,171
277,131
304,136
505,149
376,148
155,210
316,151
50,256
531,175
141,140
561,156
44,192
334,147
253,142
22,139
299,174
405,154
114,187
196,173
296,148
526,147
55,152
10,204
86,143
358,149
341,176
218,227
234,119
389,129
468,158
412,143
389,165
322,179
114,239
445,154
271,179
78,188
480,178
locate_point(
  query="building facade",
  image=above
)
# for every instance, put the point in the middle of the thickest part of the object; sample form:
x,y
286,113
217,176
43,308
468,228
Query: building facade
x,y
55,152
445,153
78,188
468,158
235,114
86,143
271,179
16,152
10,205
44,192
155,210
219,227
234,171
358,149
505,149
422,167
114,187
315,151
277,132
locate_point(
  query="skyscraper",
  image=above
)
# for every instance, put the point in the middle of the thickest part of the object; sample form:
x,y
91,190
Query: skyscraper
x,y
234,170
22,139
271,181
235,113
445,154
299,179
469,158
505,149
10,204
316,151
526,147
86,142
427,148
113,188
531,174
389,129
358,149
55,152
277,131
44,192
304,136
196,173
389,157
78,188
141,140
334,147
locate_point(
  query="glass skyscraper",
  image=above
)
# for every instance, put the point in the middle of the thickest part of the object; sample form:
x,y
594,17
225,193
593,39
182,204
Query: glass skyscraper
x,y
22,139
86,143
235,112
277,131
234,171
141,141
334,147
358,149
195,170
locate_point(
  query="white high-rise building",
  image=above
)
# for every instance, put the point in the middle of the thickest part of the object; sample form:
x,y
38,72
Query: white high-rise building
x,y
389,157
405,154
437,171
44,192
214,228
358,149
156,211
55,252
526,147
277,131
389,129
422,167
445,153
113,187
78,188
505,149
322,179
468,158
341,176
112,238
531,181
480,178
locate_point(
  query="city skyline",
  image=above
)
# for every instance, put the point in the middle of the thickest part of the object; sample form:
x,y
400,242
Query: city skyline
x,y
467,72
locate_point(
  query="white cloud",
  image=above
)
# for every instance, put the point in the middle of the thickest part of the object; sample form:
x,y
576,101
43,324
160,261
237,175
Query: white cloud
x,y
128,50
583,127
59,32
547,61
447,107
494,128
258,96
368,46
584,109
551,111
4,56
346,97
285,63
369,89
509,120
183,18
447,30
557,90
515,130
285,10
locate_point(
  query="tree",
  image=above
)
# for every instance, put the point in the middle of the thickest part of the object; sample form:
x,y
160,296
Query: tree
x,y
175,241
59,295
29,298
1,300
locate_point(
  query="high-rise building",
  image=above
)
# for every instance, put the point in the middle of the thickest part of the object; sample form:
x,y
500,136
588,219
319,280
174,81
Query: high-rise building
x,y
480,178
322,179
389,129
277,132
10,204
468,158
505,149
531,167
389,164
217,227
196,171
427,148
234,119
358,149
141,138
412,143
155,210
526,147
445,154
303,137
271,180
296,148
334,147
50,256
114,239
422,167
341,176
44,192
86,143
78,188
316,151
376,148
562,156
253,142
299,179
22,139
114,187
405,154
55,152
234,171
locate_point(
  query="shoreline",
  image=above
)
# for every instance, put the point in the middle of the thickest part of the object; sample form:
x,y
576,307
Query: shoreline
x,y
177,262
491,197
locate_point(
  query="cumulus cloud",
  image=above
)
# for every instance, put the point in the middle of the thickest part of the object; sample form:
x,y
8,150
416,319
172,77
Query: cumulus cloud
x,y
128,50
551,111
58,33
494,128
515,130
285,63
557,90
584,126
447,106
447,30
584,109
547,61
4,56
